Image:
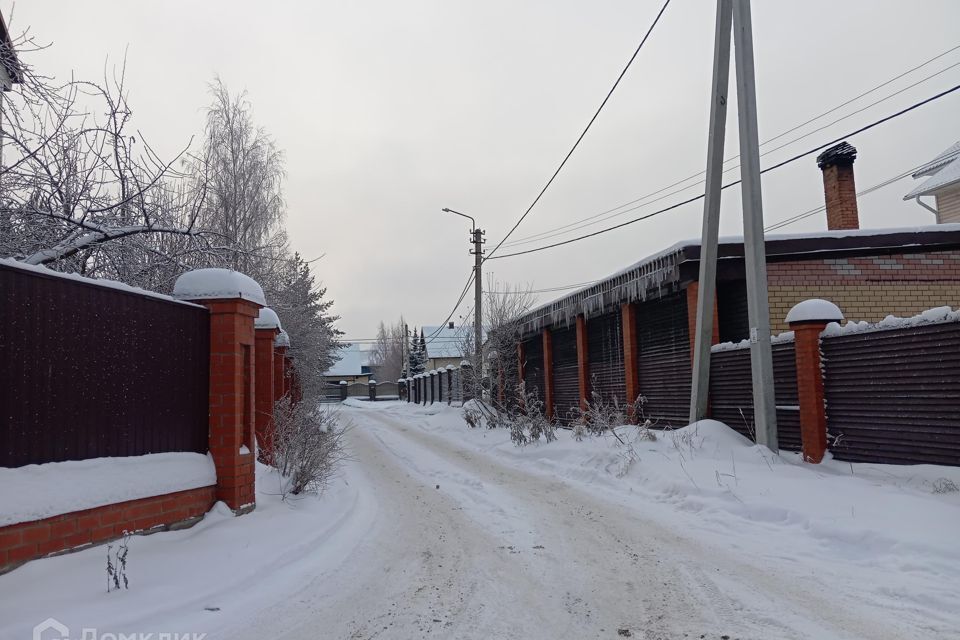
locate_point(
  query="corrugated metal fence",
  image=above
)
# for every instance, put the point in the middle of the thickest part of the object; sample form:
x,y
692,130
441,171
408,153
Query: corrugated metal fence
x,y
91,371
731,392
893,395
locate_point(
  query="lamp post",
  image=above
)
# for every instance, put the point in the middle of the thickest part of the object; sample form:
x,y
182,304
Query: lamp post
x,y
476,238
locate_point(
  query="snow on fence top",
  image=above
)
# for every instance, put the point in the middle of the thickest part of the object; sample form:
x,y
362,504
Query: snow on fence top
x,y
97,282
282,339
937,315
814,309
786,336
212,284
38,491
267,318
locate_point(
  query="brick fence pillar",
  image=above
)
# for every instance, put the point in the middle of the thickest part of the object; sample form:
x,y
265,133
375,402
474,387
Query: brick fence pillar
x,y
233,300
583,363
807,320
372,390
344,390
631,356
266,330
548,373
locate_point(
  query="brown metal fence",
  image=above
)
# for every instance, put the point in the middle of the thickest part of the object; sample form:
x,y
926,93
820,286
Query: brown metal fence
x,y
731,392
533,377
893,395
605,350
91,371
664,367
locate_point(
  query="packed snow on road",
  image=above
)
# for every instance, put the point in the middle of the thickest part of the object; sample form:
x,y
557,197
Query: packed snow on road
x,y
436,530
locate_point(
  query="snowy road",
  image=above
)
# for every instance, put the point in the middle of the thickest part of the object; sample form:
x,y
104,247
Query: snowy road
x,y
463,545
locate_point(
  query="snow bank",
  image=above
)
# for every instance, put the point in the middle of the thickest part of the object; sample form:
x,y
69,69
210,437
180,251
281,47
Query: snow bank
x,y
937,315
98,282
39,491
199,580
211,284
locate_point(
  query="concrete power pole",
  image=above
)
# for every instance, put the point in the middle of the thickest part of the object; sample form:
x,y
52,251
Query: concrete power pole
x,y
734,15
477,252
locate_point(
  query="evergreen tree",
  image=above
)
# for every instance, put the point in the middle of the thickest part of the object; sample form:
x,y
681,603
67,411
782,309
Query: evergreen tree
x,y
416,358
305,315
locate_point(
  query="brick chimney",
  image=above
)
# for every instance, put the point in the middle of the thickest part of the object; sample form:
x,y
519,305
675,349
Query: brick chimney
x,y
839,190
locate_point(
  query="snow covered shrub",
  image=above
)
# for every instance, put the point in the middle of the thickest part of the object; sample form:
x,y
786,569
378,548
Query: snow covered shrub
x,y
472,416
600,415
528,423
308,446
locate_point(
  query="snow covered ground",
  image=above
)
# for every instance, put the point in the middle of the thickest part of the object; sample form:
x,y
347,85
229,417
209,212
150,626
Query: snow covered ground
x,y
439,531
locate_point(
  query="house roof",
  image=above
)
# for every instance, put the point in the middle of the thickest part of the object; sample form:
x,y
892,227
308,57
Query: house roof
x,y
351,363
946,174
445,342
944,158
8,56
667,270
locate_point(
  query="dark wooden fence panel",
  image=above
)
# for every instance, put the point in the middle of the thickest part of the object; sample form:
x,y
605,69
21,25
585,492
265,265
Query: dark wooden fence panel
x,y
90,371
566,388
731,392
533,376
893,396
664,367
605,350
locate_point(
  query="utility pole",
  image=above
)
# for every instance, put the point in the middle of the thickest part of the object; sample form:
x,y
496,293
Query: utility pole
x,y
476,239
404,360
477,252
734,15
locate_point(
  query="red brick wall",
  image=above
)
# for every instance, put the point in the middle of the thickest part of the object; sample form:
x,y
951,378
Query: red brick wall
x,y
867,288
30,540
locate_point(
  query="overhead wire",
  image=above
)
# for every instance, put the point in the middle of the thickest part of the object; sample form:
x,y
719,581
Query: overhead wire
x,y
583,133
773,167
619,210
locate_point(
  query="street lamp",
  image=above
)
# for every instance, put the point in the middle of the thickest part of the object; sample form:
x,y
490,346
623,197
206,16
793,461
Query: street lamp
x,y
476,236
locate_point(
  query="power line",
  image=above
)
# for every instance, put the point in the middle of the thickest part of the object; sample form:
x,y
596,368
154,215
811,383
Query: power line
x,y
546,290
732,184
584,133
806,214
616,211
463,295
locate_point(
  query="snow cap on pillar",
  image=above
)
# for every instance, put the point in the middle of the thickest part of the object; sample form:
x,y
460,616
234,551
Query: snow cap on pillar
x,y
218,284
267,319
282,339
815,310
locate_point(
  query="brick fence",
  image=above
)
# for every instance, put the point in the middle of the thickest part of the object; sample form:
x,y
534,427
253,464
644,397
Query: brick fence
x,y
224,364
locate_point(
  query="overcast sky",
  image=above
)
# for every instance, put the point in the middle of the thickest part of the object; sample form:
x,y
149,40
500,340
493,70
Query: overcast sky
x,y
389,111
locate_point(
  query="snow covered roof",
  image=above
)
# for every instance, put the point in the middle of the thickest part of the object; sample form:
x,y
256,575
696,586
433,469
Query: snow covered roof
x,y
267,318
660,272
98,282
444,342
213,284
944,158
944,176
350,363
